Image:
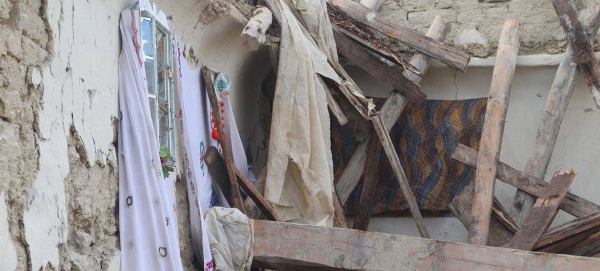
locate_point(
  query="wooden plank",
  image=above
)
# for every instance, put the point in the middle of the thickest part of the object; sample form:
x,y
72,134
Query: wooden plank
x,y
493,128
378,69
374,24
583,52
339,218
572,203
556,106
287,246
221,177
569,229
543,212
367,193
252,210
390,112
334,107
461,205
589,246
388,147
214,104
502,215
573,240
216,164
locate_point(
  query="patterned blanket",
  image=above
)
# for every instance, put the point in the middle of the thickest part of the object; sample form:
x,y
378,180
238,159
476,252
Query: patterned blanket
x,y
424,139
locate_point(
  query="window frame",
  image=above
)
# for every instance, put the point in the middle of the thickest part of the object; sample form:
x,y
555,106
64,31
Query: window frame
x,y
167,106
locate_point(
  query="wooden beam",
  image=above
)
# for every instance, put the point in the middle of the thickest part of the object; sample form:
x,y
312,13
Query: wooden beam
x,y
215,167
572,203
388,147
214,104
502,215
589,246
583,52
255,32
461,206
216,164
390,112
543,212
287,246
571,241
493,128
252,210
369,186
378,69
334,107
374,24
556,106
339,218
569,229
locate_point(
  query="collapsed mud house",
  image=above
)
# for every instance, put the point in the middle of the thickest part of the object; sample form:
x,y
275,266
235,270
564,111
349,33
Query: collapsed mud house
x,y
59,107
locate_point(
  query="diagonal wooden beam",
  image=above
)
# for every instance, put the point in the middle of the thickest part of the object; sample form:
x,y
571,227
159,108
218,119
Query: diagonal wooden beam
x,y
583,52
543,212
287,246
493,128
572,203
556,106
377,68
214,104
568,230
377,25
390,112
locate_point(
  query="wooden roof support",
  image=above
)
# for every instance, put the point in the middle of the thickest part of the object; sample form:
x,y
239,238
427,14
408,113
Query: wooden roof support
x,y
377,68
569,229
543,212
583,52
216,165
390,112
556,106
572,203
214,104
376,25
493,128
286,246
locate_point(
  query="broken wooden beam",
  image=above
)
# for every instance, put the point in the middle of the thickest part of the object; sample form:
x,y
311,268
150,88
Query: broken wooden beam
x,y
214,104
390,112
287,246
377,68
369,185
255,31
216,164
556,106
333,106
569,229
339,218
374,24
493,128
589,246
572,203
388,147
461,206
583,52
543,212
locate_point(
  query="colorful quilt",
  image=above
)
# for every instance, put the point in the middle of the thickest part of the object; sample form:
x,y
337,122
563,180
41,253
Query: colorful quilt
x,y
424,139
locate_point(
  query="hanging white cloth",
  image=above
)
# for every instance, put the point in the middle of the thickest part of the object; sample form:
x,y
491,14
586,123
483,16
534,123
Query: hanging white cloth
x,y
147,233
300,168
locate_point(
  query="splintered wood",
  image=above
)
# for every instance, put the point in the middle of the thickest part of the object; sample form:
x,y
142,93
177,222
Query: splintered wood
x,y
493,127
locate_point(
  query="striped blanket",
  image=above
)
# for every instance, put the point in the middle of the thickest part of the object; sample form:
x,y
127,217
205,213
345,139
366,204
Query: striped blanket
x,y
424,139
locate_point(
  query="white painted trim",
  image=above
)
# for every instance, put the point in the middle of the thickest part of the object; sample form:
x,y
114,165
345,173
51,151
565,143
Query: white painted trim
x,y
159,15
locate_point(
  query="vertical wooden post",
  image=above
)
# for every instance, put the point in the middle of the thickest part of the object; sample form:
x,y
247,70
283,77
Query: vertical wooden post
x,y
214,104
493,128
556,106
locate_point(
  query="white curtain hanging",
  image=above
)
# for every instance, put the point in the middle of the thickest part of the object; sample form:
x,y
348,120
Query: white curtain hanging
x,y
148,231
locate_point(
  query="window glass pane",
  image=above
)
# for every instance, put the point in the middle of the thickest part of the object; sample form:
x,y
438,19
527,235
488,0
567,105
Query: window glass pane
x,y
161,63
150,77
147,39
163,132
152,103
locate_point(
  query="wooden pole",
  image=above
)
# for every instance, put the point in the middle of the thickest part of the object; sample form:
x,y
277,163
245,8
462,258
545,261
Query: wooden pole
x,y
377,25
493,128
390,112
255,32
543,212
572,203
286,246
583,52
556,106
214,104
